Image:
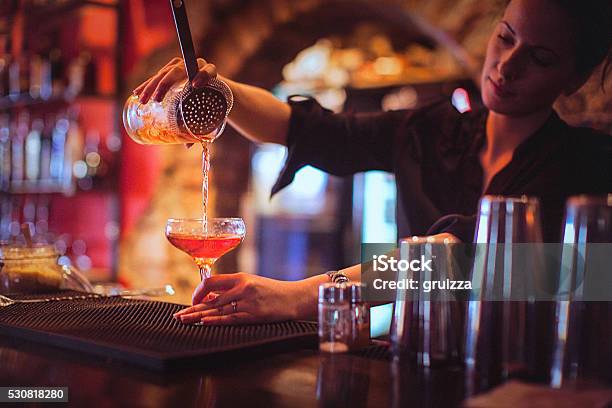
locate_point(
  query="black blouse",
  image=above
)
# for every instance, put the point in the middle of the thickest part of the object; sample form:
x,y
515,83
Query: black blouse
x,y
433,153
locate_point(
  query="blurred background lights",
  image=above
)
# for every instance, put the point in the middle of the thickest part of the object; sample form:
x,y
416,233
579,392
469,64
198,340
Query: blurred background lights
x,y
388,66
79,169
93,159
461,100
405,98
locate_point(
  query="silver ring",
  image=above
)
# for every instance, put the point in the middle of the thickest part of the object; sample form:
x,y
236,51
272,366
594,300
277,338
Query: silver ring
x,y
234,306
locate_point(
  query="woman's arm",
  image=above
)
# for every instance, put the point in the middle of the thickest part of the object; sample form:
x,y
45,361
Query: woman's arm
x,y
339,144
258,299
256,113
310,290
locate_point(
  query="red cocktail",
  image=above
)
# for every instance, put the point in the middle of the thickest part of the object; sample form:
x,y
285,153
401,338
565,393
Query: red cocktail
x,y
205,242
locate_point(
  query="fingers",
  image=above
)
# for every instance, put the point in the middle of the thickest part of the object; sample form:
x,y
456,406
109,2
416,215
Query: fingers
x,y
218,302
189,318
215,283
150,87
158,85
140,87
205,305
210,297
218,311
166,77
173,61
205,75
205,311
198,313
230,319
138,90
190,310
224,320
224,298
173,76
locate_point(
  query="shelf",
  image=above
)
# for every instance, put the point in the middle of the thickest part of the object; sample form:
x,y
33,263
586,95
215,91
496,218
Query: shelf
x,y
47,14
40,187
73,26
42,17
32,187
50,12
24,101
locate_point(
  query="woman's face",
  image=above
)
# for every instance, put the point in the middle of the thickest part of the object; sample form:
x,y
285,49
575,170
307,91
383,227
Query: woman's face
x,y
530,59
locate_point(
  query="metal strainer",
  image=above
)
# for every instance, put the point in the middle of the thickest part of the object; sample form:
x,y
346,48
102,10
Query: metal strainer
x,y
202,112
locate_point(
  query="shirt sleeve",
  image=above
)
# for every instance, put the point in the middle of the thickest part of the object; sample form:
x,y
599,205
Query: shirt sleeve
x,y
339,144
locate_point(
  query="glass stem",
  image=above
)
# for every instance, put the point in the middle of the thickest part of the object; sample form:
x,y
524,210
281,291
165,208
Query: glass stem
x,y
204,271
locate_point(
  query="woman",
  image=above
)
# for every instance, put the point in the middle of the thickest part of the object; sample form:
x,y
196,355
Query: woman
x,y
443,160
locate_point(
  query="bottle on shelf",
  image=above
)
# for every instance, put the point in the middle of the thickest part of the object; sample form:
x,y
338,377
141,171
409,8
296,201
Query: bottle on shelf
x,y
5,216
58,149
17,149
44,79
35,76
4,75
42,218
45,153
5,152
33,151
90,80
92,159
57,73
15,78
76,78
73,150
82,76
41,155
28,210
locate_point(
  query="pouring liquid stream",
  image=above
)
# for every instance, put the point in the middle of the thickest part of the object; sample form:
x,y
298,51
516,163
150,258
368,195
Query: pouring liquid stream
x,y
205,171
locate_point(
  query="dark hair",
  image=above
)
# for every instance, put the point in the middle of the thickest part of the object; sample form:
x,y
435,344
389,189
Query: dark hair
x,y
592,33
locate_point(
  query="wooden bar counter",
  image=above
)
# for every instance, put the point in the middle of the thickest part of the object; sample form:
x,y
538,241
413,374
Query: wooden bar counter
x,y
303,378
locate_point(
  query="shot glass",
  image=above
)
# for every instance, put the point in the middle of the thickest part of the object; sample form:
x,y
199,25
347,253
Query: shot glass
x,y
334,318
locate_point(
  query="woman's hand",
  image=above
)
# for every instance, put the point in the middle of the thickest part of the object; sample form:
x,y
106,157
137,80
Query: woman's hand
x,y
256,113
245,298
173,72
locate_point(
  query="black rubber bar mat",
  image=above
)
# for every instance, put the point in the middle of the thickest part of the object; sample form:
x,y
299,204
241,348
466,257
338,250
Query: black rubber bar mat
x,y
143,332
375,352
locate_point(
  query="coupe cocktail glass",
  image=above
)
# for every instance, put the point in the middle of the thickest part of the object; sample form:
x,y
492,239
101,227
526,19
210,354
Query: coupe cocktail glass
x,y
205,241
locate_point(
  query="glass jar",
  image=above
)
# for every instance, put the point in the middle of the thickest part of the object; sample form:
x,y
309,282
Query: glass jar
x,y
35,270
163,122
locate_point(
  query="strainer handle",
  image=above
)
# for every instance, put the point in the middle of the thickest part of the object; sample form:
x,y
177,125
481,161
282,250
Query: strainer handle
x,y
184,35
